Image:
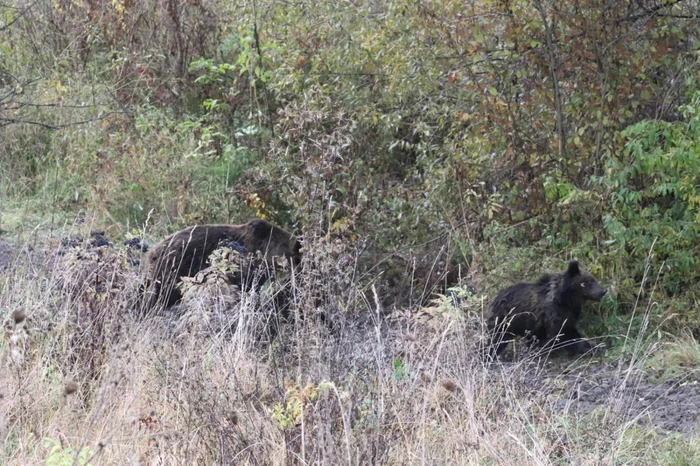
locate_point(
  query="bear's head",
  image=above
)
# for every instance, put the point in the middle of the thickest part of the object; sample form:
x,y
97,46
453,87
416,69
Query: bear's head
x,y
273,240
582,285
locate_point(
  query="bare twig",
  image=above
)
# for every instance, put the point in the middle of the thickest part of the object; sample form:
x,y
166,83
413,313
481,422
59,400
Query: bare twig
x,y
4,121
549,36
19,15
654,11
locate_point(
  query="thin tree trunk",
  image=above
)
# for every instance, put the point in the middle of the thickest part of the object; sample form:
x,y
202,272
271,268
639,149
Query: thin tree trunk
x,y
549,37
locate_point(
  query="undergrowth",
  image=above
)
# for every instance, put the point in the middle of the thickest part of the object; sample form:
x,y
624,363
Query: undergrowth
x,y
344,380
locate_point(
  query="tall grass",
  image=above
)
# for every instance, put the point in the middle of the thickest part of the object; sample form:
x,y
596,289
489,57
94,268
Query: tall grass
x,y
83,380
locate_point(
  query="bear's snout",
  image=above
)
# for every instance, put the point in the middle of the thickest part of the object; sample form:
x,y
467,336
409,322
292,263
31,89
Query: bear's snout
x,y
599,292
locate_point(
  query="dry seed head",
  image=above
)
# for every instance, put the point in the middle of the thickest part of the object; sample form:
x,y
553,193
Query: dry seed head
x,y
448,385
70,388
18,316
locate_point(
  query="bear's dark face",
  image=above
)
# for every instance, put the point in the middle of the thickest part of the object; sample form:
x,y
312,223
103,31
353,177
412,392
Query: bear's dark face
x,y
583,285
274,240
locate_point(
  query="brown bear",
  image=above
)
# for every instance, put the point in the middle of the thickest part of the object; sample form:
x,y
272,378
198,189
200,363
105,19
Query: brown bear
x,y
186,252
547,310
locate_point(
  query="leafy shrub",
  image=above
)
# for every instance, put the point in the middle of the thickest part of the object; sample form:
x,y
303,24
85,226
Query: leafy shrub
x,y
655,206
66,456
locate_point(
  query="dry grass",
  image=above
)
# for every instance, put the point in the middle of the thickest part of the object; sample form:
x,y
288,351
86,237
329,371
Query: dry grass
x,y
83,381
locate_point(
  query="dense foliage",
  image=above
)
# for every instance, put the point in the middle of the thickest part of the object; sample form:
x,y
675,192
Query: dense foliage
x,y
493,133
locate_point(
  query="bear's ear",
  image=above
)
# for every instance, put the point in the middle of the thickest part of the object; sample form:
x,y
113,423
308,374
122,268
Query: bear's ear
x,y
573,269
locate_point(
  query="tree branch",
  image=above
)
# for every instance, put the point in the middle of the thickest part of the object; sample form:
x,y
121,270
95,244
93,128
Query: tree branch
x,y
19,15
654,11
549,35
16,105
4,121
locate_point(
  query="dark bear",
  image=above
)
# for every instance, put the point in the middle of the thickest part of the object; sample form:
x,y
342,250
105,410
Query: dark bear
x,y
547,310
186,252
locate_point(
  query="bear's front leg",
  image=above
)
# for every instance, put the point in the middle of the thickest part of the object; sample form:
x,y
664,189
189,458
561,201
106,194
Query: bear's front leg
x,y
560,335
574,343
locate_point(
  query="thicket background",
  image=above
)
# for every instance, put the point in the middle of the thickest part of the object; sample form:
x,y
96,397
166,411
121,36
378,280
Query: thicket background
x,y
477,140
418,146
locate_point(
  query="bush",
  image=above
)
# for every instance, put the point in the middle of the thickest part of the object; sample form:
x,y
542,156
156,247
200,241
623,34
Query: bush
x,y
653,223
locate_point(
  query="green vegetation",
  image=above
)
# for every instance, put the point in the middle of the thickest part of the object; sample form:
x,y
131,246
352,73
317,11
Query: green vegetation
x,y
438,145
521,129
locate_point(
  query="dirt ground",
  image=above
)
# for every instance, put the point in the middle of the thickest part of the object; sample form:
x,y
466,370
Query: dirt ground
x,y
564,386
670,406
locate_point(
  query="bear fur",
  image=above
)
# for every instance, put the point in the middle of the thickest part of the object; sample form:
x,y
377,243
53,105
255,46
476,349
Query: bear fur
x,y
547,310
185,253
